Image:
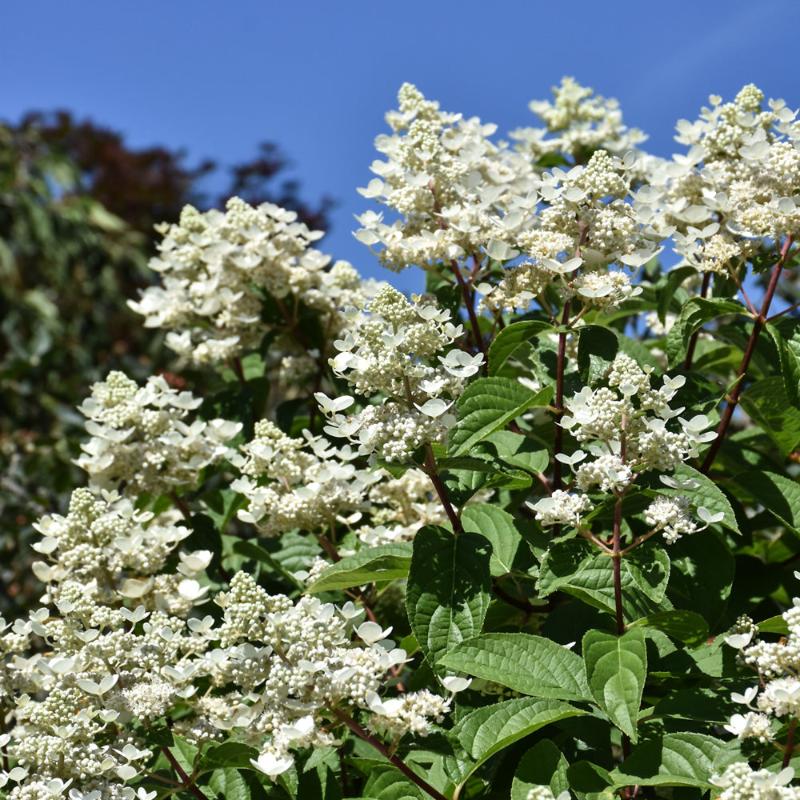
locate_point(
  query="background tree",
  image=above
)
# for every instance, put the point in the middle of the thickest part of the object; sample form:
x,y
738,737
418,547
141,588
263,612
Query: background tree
x,y
78,209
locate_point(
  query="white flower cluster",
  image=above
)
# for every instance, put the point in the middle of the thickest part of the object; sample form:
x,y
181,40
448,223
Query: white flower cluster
x,y
215,267
105,661
307,484
589,218
293,664
108,549
399,507
628,427
578,122
741,782
777,695
301,484
140,439
127,645
446,179
738,182
402,350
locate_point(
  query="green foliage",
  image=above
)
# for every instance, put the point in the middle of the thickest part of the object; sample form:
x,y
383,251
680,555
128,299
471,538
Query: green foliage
x,y
616,670
448,589
489,404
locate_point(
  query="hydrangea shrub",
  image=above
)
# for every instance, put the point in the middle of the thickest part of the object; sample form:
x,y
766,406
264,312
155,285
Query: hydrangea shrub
x,y
530,534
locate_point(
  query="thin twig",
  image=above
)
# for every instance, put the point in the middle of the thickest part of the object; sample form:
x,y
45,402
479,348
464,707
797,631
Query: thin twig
x,y
758,325
469,302
236,366
395,760
789,749
441,490
181,504
788,310
188,783
561,359
687,364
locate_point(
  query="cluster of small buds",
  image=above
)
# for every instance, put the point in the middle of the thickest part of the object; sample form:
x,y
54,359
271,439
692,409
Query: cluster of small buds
x,y
306,658
671,516
740,781
399,507
303,484
215,267
738,183
116,551
412,712
777,695
141,440
625,427
402,350
578,122
590,218
450,184
561,508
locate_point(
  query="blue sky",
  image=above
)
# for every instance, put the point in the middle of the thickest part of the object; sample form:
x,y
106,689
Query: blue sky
x,y
316,77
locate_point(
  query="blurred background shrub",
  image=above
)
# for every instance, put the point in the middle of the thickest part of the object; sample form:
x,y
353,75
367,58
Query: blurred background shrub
x,y
78,208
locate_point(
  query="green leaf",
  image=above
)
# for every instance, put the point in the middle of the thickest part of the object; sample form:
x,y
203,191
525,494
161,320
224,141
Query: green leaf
x,y
543,765
704,492
676,759
786,335
388,783
575,567
499,527
703,569
490,729
616,669
511,338
685,626
675,277
695,313
525,663
518,450
372,565
448,588
228,754
597,347
221,505
768,404
257,553
778,495
228,784
489,404
776,624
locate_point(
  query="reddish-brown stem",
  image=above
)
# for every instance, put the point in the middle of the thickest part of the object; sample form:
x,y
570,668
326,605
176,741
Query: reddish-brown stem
x,y
329,547
388,755
789,749
787,310
469,302
758,326
687,363
441,490
616,558
558,443
236,366
181,504
188,783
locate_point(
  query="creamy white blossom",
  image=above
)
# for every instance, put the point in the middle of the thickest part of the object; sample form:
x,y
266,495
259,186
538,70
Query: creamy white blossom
x,y
142,439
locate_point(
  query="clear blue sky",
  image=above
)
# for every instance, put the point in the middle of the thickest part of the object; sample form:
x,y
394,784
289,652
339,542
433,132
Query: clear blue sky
x,y
316,77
